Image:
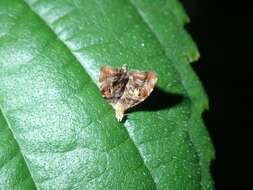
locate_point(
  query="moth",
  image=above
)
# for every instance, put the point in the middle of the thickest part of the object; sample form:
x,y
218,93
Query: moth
x,y
124,89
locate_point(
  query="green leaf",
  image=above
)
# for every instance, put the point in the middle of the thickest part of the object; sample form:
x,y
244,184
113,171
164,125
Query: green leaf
x,y
58,131
13,170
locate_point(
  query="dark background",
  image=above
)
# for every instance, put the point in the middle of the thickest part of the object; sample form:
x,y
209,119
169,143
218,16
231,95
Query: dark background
x,y
222,31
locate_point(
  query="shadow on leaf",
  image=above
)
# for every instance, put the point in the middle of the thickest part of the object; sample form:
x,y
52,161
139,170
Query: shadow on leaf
x,y
158,100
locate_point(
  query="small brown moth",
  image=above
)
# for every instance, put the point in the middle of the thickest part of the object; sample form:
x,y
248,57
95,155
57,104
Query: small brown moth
x,y
124,89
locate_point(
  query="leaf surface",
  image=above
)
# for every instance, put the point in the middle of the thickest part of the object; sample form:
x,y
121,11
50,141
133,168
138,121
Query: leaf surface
x,y
13,170
64,131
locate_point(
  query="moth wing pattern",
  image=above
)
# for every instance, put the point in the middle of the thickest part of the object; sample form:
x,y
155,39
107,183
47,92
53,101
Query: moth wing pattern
x,y
138,88
112,83
124,89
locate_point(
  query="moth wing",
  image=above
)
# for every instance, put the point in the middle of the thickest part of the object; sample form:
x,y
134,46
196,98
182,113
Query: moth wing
x,y
113,82
138,88
106,78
